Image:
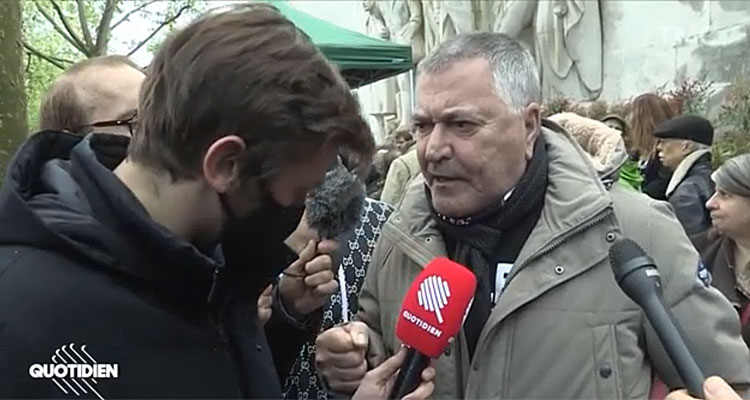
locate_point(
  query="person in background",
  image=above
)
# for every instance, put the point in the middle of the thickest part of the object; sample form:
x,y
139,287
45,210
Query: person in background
x,y
97,94
402,170
302,381
725,249
518,203
684,148
714,388
647,111
630,173
403,141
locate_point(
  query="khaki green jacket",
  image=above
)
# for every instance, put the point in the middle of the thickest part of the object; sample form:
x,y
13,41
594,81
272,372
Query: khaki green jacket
x,y
562,328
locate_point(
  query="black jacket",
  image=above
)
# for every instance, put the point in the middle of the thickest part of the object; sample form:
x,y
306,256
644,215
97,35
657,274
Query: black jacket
x,y
692,190
655,179
82,264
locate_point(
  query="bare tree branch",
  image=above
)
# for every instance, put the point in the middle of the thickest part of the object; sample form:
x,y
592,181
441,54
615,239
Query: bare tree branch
x,y
131,12
71,31
57,62
162,25
28,62
57,27
84,24
102,32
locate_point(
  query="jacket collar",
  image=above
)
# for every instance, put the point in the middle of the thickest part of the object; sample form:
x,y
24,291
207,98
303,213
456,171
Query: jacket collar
x,y
684,168
574,195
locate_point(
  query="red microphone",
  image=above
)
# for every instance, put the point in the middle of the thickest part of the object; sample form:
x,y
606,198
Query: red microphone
x,y
432,313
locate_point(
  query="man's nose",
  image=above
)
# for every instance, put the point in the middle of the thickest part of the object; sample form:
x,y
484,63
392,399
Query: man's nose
x,y
438,144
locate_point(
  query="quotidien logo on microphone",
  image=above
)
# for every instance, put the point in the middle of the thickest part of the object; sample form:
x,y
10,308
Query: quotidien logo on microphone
x,y
74,371
433,295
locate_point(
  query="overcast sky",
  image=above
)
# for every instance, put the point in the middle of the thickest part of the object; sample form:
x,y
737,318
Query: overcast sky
x,y
345,13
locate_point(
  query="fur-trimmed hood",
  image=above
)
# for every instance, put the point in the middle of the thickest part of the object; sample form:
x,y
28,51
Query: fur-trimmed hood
x,y
604,145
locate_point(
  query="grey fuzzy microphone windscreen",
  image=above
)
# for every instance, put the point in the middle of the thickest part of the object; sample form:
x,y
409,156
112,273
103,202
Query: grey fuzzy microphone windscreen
x,y
334,207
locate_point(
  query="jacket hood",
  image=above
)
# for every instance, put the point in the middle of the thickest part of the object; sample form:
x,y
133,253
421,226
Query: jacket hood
x,y
603,145
60,195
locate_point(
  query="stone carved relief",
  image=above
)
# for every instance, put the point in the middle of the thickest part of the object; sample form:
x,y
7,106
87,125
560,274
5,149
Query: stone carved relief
x,y
403,22
566,40
444,19
382,94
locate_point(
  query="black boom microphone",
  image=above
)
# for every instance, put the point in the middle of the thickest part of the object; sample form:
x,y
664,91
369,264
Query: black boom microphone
x,y
638,277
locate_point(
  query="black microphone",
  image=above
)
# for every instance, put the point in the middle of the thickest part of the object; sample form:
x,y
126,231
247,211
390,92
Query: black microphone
x,y
638,277
335,206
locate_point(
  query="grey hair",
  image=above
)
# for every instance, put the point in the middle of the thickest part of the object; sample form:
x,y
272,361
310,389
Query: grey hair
x,y
734,175
514,72
695,146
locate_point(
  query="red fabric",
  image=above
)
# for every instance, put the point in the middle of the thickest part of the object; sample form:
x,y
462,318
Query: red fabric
x,y
745,316
659,390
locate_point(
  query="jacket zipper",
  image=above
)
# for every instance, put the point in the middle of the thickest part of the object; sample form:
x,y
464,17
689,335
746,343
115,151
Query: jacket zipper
x,y
598,217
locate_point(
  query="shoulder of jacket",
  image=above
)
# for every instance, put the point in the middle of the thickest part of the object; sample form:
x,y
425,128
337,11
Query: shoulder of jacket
x,y
653,225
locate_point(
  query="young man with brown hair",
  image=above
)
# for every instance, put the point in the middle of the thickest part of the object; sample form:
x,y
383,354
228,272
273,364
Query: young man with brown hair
x,y
109,248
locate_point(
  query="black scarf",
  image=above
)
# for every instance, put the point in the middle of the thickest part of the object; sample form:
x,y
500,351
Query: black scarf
x,y
495,235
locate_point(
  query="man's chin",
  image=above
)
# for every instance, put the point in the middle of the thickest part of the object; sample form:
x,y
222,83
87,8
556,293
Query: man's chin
x,y
449,207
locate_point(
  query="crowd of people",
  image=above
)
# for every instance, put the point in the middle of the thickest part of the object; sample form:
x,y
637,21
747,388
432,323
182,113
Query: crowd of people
x,y
158,219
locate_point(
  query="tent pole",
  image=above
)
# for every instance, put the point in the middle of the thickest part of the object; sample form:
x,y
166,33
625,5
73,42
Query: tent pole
x,y
412,90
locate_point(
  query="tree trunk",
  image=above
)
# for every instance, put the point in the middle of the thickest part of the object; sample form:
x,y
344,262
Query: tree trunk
x,y
12,94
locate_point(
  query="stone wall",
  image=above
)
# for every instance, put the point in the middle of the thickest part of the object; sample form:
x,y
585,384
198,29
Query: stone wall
x,y
647,44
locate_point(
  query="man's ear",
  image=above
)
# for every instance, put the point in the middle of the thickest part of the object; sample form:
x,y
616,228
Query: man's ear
x,y
532,123
221,167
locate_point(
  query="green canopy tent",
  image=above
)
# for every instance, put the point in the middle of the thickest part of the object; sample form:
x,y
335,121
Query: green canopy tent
x,y
361,59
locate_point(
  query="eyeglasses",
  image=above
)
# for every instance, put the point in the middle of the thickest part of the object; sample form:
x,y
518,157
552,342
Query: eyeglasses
x,y
129,122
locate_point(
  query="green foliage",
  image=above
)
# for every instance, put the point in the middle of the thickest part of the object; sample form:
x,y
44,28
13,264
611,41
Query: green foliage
x,y
53,42
690,96
596,110
560,104
40,72
734,123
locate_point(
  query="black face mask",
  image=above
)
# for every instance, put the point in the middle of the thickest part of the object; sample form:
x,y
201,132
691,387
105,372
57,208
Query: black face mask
x,y
254,246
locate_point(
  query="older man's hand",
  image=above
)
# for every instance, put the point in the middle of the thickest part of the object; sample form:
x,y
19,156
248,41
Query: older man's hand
x,y
309,281
340,356
378,383
714,388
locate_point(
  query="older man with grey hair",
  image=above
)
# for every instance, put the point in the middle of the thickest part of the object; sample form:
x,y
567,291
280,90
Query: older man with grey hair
x,y
515,199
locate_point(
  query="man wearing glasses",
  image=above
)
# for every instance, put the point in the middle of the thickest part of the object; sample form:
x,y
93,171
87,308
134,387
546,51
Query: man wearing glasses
x,y
98,94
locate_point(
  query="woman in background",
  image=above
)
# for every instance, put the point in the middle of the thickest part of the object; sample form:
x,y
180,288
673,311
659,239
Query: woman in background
x,y
725,249
647,111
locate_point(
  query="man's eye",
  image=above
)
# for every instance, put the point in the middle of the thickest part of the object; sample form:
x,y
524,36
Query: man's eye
x,y
422,127
462,126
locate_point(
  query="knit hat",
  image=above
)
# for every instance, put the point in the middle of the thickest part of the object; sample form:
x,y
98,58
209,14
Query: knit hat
x,y
689,127
615,117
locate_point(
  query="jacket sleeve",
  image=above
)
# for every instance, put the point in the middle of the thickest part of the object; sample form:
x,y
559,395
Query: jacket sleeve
x,y
689,207
395,182
286,335
369,306
709,322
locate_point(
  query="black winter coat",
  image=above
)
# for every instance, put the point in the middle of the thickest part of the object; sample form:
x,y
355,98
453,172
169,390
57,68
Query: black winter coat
x,y
84,268
688,198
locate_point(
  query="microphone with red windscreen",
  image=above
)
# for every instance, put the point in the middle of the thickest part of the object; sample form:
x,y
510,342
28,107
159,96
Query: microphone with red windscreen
x,y
432,313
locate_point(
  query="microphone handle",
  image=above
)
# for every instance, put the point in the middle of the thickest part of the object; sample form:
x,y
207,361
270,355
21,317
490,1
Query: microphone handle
x,y
669,334
410,375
